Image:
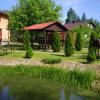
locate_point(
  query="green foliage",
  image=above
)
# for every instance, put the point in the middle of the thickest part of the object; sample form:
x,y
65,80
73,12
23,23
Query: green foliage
x,y
56,43
27,45
85,34
92,49
69,50
26,40
28,12
73,38
29,52
91,55
74,78
51,60
71,16
78,44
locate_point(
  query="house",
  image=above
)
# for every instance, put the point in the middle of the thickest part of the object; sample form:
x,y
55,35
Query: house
x,y
4,32
71,26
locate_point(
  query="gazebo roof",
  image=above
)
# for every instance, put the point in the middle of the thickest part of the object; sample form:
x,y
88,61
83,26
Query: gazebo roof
x,y
50,26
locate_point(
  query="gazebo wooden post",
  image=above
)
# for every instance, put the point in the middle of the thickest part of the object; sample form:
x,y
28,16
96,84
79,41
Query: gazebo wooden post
x,y
45,39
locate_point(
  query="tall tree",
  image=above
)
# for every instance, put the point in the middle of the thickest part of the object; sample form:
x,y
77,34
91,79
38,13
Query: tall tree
x,y
71,16
83,19
28,12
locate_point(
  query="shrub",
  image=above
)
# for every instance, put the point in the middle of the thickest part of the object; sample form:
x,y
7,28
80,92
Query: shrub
x,y
51,60
26,40
78,44
91,55
27,45
29,52
69,50
92,49
56,43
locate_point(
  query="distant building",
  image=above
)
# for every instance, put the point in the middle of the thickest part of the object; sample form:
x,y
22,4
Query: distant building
x,y
4,32
71,26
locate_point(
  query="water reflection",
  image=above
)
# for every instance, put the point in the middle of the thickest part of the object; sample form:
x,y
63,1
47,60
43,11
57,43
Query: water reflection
x,y
5,94
76,97
72,96
62,94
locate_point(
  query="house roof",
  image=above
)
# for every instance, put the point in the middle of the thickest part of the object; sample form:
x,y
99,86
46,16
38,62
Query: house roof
x,y
71,26
3,14
43,26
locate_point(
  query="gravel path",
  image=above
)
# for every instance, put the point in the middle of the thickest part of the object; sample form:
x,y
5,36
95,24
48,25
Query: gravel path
x,y
12,62
64,64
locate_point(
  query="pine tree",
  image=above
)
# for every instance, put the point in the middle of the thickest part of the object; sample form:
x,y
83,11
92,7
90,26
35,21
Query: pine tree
x,y
26,39
78,44
71,16
92,48
56,43
84,18
69,50
78,19
29,52
27,45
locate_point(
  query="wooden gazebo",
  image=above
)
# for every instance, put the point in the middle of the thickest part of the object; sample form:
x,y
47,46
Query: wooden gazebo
x,y
48,29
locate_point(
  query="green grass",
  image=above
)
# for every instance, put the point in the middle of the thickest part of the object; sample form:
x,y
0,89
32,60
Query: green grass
x,y
42,54
74,78
79,56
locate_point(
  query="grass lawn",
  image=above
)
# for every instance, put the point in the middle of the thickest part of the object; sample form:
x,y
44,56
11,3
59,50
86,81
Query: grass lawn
x,y
79,56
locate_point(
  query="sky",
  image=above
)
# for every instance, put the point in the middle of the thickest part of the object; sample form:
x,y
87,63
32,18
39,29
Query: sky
x,y
90,7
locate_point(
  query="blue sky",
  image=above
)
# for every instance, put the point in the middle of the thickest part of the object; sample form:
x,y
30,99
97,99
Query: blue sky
x,y
90,7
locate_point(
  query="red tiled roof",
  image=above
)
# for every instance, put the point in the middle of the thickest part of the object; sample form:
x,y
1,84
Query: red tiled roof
x,y
71,26
39,26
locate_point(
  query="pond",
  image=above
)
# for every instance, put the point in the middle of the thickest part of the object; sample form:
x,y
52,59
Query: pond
x,y
5,95
38,90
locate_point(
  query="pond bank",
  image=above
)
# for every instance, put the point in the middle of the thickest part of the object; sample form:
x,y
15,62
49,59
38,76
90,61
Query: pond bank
x,y
38,62
75,79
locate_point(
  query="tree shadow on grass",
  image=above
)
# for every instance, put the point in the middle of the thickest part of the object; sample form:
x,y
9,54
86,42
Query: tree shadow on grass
x,y
84,57
3,54
58,55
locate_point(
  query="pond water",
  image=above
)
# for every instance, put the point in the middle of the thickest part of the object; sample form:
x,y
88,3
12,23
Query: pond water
x,y
5,95
37,90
